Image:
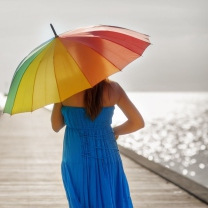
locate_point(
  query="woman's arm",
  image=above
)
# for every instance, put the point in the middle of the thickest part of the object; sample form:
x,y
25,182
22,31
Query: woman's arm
x,y
135,120
57,120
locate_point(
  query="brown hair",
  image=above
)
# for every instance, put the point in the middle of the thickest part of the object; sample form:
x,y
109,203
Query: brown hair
x,y
93,99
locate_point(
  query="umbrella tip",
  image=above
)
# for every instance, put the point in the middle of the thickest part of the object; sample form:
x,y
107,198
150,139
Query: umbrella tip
x,y
53,30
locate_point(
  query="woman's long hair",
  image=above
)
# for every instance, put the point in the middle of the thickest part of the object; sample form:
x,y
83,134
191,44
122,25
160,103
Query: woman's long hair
x,y
93,99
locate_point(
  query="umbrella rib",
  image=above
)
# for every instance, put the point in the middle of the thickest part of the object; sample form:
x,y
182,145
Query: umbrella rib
x,y
121,45
34,85
80,68
100,53
30,54
114,41
37,72
42,47
76,62
95,52
95,28
56,81
104,57
56,78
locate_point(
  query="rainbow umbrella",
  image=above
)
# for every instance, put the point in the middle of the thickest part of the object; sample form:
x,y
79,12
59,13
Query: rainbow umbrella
x,y
70,63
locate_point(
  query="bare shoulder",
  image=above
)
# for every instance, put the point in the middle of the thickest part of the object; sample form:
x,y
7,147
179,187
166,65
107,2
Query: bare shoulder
x,y
113,83
117,90
111,93
122,99
116,87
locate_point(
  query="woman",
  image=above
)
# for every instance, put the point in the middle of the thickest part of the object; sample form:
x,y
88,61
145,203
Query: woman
x,y
92,169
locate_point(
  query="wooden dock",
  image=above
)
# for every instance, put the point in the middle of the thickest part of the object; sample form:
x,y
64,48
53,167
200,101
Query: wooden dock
x,y
30,175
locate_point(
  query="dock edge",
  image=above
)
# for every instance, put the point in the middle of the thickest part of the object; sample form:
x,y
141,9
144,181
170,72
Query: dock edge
x,y
183,182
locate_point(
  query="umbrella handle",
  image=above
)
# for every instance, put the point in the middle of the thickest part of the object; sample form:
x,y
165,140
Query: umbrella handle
x,y
53,30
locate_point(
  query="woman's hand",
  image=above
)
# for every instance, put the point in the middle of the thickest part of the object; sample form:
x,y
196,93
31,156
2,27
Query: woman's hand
x,y
116,136
57,120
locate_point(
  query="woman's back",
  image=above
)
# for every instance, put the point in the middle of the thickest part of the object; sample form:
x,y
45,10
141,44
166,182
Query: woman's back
x,y
77,118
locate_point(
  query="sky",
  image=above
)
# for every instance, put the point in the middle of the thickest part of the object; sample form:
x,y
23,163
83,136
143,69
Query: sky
x,y
177,60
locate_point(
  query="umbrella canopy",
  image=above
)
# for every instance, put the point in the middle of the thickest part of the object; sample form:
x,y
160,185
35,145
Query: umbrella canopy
x,y
70,63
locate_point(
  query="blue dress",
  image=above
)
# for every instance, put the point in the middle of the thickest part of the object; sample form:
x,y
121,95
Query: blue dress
x,y
92,169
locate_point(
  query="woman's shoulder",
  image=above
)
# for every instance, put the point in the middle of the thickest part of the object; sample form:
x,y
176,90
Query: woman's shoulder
x,y
115,85
113,93
116,88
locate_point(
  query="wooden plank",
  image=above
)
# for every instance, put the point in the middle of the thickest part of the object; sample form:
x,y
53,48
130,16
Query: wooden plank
x,y
30,175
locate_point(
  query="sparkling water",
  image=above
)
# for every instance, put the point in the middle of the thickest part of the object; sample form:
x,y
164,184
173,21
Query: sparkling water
x,y
175,134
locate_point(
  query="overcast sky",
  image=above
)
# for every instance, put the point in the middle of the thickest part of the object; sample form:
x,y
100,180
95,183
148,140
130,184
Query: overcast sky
x,y
177,60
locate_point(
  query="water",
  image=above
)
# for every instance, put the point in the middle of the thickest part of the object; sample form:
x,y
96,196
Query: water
x,y
2,102
175,133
